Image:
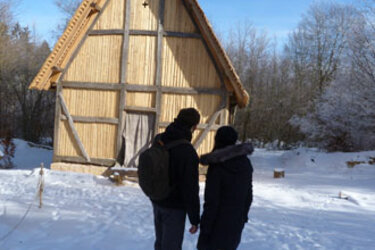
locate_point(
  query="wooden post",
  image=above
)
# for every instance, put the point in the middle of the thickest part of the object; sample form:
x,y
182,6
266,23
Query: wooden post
x,y
279,173
57,121
41,186
123,77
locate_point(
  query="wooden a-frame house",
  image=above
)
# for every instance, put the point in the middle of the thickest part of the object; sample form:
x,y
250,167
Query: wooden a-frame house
x,y
124,68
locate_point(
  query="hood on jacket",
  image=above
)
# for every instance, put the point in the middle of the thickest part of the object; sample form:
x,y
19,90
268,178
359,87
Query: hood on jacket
x,y
176,131
227,153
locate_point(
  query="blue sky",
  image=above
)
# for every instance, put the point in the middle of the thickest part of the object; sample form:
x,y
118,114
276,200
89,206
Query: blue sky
x,y
276,17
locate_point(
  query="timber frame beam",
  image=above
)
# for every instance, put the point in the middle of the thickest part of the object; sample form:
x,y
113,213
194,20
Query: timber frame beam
x,y
141,88
159,61
145,33
83,119
81,160
72,127
123,75
214,127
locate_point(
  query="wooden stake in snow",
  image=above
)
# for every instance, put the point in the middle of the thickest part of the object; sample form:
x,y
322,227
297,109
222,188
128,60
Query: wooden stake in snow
x,y
41,185
278,173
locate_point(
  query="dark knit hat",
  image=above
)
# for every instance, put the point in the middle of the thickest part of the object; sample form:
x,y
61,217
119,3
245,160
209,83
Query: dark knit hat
x,y
188,117
226,136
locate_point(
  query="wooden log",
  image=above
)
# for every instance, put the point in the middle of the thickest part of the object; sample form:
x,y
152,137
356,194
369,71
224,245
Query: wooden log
x,y
352,164
83,119
118,175
278,173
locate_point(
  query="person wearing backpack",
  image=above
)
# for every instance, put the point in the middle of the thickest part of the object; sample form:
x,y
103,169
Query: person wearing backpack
x,y
228,192
183,195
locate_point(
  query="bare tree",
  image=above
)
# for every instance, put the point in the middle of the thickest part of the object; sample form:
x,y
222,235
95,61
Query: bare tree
x,y
266,76
5,41
343,116
24,113
316,47
67,7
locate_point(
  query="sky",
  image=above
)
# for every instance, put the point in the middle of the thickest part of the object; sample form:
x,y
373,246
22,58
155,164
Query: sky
x,y
276,17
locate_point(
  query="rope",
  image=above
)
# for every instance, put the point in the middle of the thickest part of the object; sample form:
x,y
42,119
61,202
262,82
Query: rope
x,y
2,239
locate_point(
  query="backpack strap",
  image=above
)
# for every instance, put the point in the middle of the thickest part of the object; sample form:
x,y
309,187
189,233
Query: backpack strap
x,y
176,143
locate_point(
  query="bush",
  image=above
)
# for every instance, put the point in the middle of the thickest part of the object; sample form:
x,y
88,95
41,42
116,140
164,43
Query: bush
x,y
8,149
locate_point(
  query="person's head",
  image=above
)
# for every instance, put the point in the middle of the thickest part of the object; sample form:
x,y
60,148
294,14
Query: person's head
x,y
225,136
188,118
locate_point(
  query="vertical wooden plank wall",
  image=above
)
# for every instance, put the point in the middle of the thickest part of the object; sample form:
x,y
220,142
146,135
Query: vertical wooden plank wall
x,y
95,111
138,58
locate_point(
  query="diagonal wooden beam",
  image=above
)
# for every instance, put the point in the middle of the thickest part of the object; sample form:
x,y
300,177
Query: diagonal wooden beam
x,y
72,128
211,123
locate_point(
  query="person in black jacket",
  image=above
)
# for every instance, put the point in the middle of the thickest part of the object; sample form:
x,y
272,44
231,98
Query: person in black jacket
x,y
170,213
228,194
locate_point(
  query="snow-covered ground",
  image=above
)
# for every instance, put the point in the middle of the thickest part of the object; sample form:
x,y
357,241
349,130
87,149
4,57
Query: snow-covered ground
x,y
302,211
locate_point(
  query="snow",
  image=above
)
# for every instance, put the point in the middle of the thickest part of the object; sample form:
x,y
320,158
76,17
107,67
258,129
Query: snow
x,y
320,204
30,156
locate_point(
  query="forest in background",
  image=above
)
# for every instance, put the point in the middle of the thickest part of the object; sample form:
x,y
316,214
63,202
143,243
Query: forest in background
x,y
318,89
23,113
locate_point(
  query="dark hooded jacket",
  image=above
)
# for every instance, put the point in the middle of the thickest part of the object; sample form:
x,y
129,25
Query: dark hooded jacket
x,y
184,173
228,196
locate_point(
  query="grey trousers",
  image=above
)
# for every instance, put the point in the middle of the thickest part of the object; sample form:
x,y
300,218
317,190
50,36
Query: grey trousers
x,y
169,228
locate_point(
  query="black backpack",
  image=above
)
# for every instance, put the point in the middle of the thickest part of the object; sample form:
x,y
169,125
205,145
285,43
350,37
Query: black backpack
x,y
153,169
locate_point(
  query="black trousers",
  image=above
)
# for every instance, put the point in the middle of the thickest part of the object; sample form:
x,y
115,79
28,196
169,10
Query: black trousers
x,y
169,228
